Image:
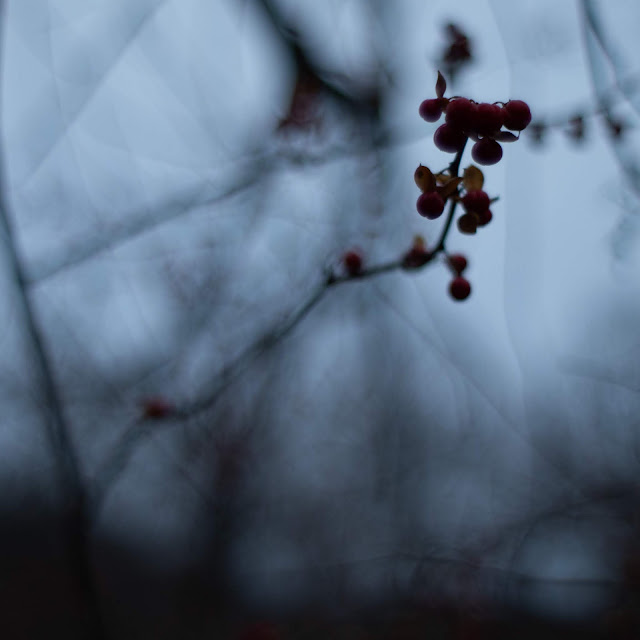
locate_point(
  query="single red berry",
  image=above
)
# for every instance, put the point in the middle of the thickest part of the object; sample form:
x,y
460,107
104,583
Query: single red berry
x,y
460,288
431,110
486,151
352,261
484,218
476,200
449,138
460,113
517,115
430,205
488,118
457,262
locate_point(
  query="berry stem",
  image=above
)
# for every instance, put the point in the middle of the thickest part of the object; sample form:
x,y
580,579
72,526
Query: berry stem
x,y
454,168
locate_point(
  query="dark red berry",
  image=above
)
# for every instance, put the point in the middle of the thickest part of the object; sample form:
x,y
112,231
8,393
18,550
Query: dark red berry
x,y
431,110
486,151
449,138
460,113
430,205
487,119
457,262
485,218
476,200
460,288
352,262
517,115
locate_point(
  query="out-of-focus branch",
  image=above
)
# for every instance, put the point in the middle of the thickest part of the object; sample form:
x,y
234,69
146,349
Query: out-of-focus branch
x,y
592,34
364,101
75,514
141,429
625,86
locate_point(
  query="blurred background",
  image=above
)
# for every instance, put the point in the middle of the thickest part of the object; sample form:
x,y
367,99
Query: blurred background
x,y
200,438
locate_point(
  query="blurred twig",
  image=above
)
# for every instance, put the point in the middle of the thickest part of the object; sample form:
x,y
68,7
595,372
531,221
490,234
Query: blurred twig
x,y
75,513
593,38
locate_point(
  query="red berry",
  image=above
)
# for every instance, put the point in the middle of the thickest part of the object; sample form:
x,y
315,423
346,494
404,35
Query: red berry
x,y
430,205
449,138
488,119
352,262
460,288
486,151
460,113
457,262
431,110
517,115
476,200
485,218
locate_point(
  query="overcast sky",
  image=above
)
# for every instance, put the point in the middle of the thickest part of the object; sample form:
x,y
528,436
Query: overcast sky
x,y
133,132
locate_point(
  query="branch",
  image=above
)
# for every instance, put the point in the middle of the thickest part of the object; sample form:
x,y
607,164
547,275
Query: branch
x,y
592,34
57,430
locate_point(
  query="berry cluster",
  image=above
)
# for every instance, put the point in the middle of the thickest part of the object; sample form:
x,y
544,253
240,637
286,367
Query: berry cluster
x,y
475,201
436,190
487,125
482,122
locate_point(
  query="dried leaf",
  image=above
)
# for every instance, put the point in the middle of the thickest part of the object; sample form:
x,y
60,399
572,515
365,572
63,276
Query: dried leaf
x,y
468,223
441,85
473,178
506,136
449,188
424,179
419,242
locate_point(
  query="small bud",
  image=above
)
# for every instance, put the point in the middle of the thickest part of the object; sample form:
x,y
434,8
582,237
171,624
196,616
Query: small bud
x,y
457,262
537,132
616,127
352,261
156,408
416,258
576,129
